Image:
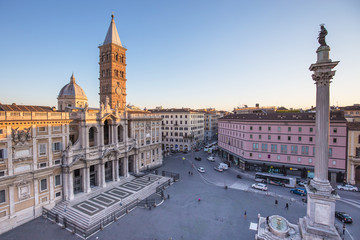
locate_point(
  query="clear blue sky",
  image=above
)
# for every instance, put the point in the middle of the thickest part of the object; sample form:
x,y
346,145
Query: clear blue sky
x,y
195,54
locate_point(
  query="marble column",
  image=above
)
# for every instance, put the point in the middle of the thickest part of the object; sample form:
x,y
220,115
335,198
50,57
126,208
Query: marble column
x,y
125,164
116,168
101,171
11,200
86,179
352,173
319,222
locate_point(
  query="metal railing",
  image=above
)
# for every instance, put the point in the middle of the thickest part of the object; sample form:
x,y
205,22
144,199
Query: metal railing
x,y
174,176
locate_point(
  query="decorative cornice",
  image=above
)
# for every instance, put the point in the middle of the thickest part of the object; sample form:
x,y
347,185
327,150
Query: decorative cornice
x,y
323,78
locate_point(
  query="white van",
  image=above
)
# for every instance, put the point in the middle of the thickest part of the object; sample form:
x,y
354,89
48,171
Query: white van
x,y
223,166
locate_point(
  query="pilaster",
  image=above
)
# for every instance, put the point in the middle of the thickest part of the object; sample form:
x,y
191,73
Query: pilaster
x,y
11,200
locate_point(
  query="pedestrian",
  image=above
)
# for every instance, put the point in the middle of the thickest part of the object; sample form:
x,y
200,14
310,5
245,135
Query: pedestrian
x,y
287,206
276,202
120,202
189,172
199,199
267,220
245,214
344,228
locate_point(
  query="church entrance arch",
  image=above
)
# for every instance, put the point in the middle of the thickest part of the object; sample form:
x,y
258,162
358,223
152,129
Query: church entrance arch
x,y
77,181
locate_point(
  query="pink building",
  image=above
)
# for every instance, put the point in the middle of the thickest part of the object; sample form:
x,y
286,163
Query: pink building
x,y
281,143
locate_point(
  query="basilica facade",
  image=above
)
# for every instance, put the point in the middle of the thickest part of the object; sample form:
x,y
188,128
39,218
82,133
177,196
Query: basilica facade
x,y
48,155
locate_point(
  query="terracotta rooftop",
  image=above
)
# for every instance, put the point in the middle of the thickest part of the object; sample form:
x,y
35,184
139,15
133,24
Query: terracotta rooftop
x,y
24,108
286,116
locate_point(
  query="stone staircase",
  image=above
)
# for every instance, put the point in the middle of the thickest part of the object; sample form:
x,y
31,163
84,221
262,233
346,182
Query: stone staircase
x,y
85,221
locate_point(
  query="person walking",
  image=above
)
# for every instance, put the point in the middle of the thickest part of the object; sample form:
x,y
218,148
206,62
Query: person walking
x,y
287,206
245,214
276,202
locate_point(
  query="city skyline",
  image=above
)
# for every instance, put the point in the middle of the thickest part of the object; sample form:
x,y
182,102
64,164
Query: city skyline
x,y
196,55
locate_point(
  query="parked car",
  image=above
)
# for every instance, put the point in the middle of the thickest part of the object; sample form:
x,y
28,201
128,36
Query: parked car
x,y
344,217
201,169
211,159
348,187
259,186
218,169
299,191
198,158
302,183
223,166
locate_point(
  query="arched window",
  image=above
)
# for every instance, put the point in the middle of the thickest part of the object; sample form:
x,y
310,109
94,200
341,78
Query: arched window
x,y
359,139
92,137
120,133
107,132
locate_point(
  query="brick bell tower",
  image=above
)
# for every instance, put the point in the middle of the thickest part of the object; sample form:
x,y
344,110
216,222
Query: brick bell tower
x,y
112,61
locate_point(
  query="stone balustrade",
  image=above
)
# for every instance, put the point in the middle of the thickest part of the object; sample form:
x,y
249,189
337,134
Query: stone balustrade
x,y
32,116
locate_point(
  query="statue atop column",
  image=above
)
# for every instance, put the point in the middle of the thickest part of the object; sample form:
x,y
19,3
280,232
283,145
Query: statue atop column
x,y
322,34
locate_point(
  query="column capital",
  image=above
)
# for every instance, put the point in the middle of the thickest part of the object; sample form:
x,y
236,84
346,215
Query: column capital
x,y
323,78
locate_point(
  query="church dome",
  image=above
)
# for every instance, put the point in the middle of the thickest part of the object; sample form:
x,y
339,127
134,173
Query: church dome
x,y
72,90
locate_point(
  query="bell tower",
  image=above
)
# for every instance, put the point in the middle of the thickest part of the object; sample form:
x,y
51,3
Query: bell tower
x,y
112,61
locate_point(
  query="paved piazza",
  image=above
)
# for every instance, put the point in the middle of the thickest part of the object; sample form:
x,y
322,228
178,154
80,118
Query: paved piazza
x,y
219,214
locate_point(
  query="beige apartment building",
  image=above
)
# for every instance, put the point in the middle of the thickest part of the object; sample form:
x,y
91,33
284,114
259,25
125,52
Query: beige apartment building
x,y
182,128
49,155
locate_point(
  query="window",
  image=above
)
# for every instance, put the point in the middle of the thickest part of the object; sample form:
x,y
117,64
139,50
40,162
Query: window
x,y
310,139
2,196
259,136
259,128
311,129
57,180
273,148
299,138
56,128
264,147
43,184
42,149
279,137
269,128
334,140
300,129
294,149
42,165
250,154
357,153
57,162
56,147
1,131
299,159
42,129
334,162
310,160
279,129
58,194
278,157
289,129
3,154
330,152
250,136
259,155
255,146
269,137
283,148
250,127
335,130
288,158
2,173
305,150
289,138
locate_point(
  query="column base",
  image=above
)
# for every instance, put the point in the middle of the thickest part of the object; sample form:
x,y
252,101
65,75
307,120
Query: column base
x,y
321,186
311,231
